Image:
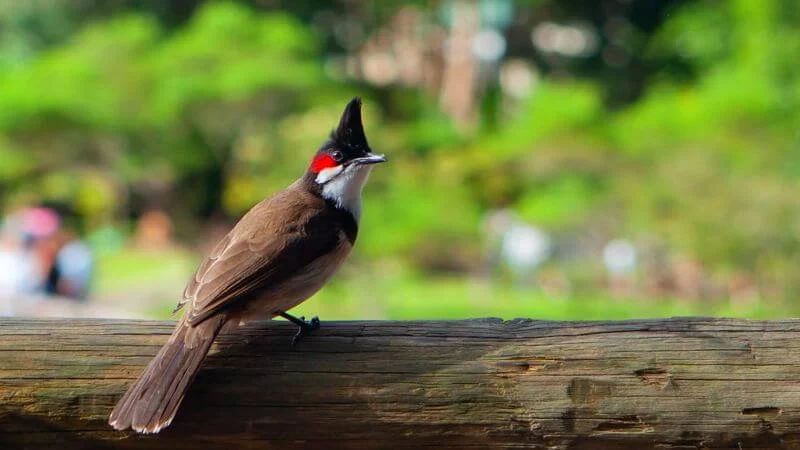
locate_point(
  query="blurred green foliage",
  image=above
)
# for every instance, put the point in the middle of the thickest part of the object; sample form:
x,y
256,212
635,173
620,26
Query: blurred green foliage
x,y
207,115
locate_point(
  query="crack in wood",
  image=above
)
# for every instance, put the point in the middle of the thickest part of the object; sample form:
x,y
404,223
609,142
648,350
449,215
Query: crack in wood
x,y
656,376
625,424
768,412
522,364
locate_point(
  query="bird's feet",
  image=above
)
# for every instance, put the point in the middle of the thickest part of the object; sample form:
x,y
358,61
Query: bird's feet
x,y
304,327
307,327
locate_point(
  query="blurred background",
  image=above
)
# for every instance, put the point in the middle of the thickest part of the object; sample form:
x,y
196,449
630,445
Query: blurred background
x,y
564,159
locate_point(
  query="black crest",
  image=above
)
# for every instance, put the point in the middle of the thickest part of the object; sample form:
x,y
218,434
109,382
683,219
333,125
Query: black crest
x,y
350,132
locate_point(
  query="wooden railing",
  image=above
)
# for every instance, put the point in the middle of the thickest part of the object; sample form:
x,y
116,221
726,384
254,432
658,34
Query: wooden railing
x,y
669,384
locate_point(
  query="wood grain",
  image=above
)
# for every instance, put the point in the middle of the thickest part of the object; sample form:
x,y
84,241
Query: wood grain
x,y
668,384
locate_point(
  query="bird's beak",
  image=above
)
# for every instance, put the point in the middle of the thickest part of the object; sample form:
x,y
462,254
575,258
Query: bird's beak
x,y
369,159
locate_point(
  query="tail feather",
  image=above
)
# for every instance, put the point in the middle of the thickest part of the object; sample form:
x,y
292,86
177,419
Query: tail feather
x,y
153,400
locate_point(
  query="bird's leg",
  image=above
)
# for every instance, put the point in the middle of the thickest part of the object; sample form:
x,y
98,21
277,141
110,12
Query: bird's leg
x,y
304,327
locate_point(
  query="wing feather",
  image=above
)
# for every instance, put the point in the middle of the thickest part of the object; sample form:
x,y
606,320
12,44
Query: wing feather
x,y
275,239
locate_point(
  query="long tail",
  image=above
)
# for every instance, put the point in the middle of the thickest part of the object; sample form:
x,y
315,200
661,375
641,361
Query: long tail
x,y
151,403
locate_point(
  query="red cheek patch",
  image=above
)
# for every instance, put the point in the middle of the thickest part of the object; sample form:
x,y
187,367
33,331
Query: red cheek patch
x,y
322,162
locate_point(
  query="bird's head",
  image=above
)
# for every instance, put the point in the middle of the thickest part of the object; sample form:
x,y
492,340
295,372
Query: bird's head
x,y
341,166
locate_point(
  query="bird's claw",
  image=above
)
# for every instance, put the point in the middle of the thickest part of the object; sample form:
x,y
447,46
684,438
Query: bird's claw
x,y
306,328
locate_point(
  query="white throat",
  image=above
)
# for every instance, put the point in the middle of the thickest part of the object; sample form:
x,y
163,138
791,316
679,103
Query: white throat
x,y
343,186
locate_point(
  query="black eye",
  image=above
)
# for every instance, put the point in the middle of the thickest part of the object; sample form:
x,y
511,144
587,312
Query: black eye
x,y
337,155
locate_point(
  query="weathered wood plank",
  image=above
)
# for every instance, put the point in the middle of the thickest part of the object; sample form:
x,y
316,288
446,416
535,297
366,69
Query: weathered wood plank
x,y
677,383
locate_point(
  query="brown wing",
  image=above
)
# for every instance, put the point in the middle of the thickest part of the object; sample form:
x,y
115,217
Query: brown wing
x,y
274,240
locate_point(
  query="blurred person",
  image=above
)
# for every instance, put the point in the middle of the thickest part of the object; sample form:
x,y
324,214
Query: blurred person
x,y
59,263
8,267
30,270
620,259
40,223
154,231
10,255
16,269
512,243
524,249
11,272
21,260
70,273
495,225
40,227
20,270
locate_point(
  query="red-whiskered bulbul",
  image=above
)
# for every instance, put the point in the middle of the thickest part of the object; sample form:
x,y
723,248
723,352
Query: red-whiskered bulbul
x,y
280,253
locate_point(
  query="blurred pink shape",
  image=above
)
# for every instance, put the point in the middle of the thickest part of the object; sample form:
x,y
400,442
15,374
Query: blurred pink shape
x,y
41,222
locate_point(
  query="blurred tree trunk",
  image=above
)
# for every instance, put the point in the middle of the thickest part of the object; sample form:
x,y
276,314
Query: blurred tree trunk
x,y
458,82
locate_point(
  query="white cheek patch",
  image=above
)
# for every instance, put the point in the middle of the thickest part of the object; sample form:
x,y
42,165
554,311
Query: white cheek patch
x,y
325,175
345,190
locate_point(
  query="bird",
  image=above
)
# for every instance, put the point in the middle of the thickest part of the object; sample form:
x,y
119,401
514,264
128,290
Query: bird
x,y
279,254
